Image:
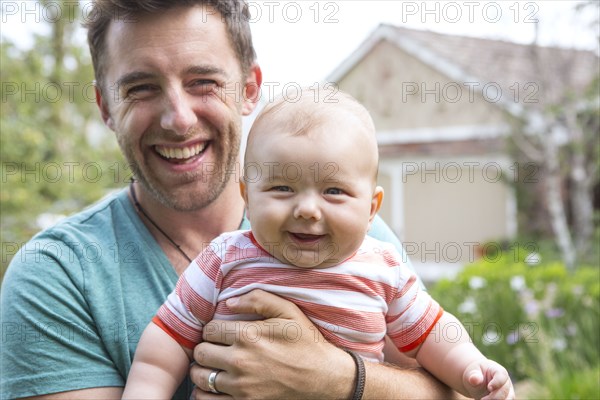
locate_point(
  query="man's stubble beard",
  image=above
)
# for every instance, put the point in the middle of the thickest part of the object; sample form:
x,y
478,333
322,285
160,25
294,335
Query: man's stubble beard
x,y
213,184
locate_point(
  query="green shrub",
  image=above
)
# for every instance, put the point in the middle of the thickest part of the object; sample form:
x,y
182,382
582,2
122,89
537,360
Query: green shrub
x,y
541,322
578,384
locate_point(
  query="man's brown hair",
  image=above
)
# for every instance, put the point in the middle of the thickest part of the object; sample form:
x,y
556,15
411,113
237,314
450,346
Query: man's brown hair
x,y
234,13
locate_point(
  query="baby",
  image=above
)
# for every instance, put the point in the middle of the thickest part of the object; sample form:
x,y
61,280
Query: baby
x,y
309,184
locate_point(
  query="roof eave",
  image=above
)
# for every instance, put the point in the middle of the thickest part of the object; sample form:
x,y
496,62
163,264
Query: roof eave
x,y
425,55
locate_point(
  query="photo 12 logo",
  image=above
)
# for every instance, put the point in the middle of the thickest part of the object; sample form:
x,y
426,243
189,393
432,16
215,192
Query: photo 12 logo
x,y
468,11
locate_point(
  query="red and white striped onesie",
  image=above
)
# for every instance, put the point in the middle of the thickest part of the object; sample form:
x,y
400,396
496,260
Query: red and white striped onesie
x,y
354,304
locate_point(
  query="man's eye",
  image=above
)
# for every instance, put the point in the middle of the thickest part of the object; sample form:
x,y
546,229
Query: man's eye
x,y
203,85
138,91
334,191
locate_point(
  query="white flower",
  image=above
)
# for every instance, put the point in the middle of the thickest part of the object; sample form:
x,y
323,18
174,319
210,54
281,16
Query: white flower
x,y
532,307
559,344
477,282
533,259
517,283
578,290
491,336
468,306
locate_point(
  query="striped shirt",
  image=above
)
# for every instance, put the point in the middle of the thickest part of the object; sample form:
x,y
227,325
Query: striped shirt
x,y
353,304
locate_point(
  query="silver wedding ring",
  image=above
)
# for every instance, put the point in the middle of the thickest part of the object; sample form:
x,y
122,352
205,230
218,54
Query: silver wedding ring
x,y
212,378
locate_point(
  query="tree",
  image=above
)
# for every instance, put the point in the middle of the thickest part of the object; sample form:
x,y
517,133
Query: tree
x,y
562,137
56,157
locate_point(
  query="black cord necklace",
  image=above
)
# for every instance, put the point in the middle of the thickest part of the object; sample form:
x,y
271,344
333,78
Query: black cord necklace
x,y
141,210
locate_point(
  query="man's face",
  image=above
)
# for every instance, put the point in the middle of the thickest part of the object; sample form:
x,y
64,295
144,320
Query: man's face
x,y
174,96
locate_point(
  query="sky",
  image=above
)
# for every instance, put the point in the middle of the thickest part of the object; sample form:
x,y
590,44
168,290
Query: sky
x,y
303,41
309,49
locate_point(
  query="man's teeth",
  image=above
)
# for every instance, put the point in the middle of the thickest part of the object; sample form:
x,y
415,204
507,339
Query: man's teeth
x,y
180,153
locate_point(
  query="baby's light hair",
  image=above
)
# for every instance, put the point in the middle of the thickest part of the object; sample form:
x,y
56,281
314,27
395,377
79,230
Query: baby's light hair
x,y
312,108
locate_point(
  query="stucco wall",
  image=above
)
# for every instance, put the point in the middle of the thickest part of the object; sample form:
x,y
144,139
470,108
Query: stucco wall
x,y
446,208
384,81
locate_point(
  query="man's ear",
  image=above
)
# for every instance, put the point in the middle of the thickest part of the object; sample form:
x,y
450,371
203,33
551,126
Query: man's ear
x,y
104,112
251,91
376,201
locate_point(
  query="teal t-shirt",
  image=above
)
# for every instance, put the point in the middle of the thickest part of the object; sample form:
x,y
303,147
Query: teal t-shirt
x,y
76,298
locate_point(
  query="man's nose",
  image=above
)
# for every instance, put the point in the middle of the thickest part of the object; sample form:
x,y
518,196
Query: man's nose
x,y
178,115
307,207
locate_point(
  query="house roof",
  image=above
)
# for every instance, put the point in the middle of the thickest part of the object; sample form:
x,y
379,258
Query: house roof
x,y
472,60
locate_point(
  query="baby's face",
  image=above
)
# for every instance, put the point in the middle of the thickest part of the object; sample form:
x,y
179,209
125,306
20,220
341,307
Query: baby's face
x,y
310,198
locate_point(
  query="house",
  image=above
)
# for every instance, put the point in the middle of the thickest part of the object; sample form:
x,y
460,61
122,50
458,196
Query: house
x,y
443,107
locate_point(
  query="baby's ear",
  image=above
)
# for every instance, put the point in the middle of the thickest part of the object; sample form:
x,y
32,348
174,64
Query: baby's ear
x,y
243,190
244,193
376,202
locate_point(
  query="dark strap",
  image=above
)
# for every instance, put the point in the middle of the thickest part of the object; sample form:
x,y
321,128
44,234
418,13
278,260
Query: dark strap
x,y
361,376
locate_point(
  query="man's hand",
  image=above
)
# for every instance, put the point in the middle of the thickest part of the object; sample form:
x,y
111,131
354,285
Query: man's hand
x,y
283,356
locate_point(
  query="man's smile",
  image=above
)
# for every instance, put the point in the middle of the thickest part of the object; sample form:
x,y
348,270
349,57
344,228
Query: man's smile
x,y
181,154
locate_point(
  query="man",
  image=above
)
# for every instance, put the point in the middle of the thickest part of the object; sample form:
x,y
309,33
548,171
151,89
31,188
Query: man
x,y
172,82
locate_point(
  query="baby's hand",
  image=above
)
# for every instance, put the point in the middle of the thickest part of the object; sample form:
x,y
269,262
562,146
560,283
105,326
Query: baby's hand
x,y
487,380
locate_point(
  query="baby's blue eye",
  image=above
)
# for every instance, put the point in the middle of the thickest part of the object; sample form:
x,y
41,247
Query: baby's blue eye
x,y
282,188
334,191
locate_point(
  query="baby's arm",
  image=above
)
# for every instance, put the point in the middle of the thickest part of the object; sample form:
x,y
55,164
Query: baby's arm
x,y
159,366
458,363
